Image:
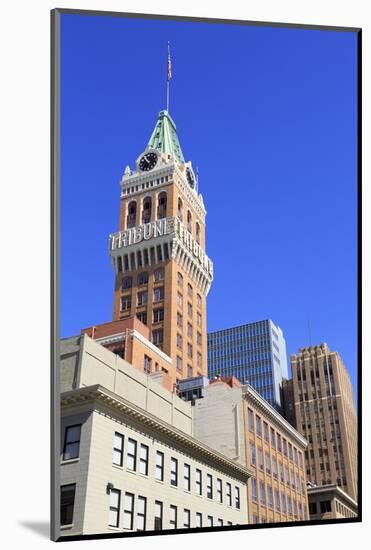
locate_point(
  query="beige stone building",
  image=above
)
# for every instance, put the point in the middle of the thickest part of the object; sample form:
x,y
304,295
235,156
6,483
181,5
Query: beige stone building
x,y
237,421
162,273
326,416
330,502
130,459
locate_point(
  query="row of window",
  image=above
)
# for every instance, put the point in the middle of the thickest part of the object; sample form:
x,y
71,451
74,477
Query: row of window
x,y
146,185
142,278
276,440
285,504
142,298
138,507
132,463
285,473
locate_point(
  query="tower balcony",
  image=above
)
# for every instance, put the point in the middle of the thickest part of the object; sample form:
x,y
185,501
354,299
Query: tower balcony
x,y
161,241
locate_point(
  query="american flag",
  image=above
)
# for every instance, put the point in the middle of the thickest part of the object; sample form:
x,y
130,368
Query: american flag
x,y
168,63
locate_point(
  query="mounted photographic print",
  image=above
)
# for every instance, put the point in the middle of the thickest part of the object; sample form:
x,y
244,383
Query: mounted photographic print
x,y
205,268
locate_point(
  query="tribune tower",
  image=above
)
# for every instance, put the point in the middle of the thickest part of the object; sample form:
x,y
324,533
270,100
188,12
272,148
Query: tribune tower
x,y
162,273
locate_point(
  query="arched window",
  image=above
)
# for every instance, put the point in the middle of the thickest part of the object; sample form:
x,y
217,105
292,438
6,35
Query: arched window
x,y
143,278
147,209
127,282
189,221
162,205
180,209
132,214
198,232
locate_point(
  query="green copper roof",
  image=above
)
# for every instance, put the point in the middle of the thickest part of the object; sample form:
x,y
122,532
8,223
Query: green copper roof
x,y
164,137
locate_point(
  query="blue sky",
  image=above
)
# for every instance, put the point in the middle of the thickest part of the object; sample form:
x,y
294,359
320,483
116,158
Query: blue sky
x,y
268,115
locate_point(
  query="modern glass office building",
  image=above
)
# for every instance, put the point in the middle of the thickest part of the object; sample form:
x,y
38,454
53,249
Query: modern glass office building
x,y
254,353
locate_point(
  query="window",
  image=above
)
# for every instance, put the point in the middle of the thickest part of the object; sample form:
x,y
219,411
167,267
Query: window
x,y
262,493
131,458
162,205
179,364
219,522
273,439
118,449
174,472
199,301
199,319
281,472
158,515
114,508
126,302
279,443
71,447
67,503
260,459
132,214
228,490
147,364
146,212
187,477
173,516
142,316
283,503
128,511
197,232
179,299
258,426
189,350
254,490
158,294
180,209
127,282
284,446
189,371
179,340
158,315
189,221
143,278
290,451
237,497
141,513
274,460
159,274
198,519
289,506
312,508
199,339
219,490
179,319
209,521
189,309
267,463
159,466
270,496
287,477
189,330
277,500
266,434
251,420
209,486
199,360
325,506
143,459
186,518
198,482
158,336
180,279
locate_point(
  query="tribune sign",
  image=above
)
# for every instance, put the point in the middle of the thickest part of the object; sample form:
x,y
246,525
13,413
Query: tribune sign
x,y
159,228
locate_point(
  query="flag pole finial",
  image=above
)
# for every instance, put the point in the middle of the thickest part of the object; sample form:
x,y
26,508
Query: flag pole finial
x,y
168,76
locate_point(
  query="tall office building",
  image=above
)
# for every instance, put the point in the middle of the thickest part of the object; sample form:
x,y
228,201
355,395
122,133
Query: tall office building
x,y
162,273
326,416
253,353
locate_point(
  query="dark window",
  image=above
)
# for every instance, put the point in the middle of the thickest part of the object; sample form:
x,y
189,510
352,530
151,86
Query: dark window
x,y
173,517
159,274
71,447
237,497
312,508
229,493
141,513
174,472
209,486
142,316
118,449
143,459
114,509
325,506
158,294
143,278
128,511
158,315
147,364
186,518
158,515
126,302
198,519
198,482
187,477
162,205
131,458
219,490
160,466
266,432
142,298
67,503
158,336
258,426
127,282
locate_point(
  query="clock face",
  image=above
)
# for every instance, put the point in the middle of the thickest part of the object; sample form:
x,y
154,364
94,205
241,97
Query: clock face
x,y
147,162
190,178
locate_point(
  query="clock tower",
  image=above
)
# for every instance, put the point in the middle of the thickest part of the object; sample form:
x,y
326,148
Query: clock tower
x,y
162,273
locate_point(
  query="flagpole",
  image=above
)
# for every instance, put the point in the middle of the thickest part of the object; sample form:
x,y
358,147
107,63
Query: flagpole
x,y
168,76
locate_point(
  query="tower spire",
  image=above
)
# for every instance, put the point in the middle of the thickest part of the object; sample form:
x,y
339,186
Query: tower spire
x,y
168,76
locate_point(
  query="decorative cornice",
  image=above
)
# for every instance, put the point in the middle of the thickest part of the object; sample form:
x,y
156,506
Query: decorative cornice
x,y
101,394
250,394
